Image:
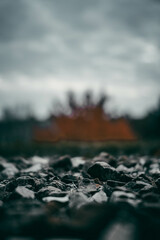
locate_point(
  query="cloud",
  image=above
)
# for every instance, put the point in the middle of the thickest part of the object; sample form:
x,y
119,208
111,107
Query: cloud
x,y
57,45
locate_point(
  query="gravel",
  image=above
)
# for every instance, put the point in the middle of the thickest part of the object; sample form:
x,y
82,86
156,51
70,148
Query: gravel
x,y
107,197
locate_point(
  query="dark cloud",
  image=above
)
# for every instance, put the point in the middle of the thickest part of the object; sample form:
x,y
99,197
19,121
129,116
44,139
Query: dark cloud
x,y
115,44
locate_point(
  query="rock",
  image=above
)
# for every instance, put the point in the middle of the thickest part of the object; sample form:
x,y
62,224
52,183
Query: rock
x,y
113,183
106,157
70,198
60,185
77,200
147,189
120,196
68,178
137,185
103,171
157,182
77,162
64,199
35,168
22,192
63,163
48,191
126,161
11,185
9,170
20,163
107,189
24,180
41,160
99,197
1,167
124,169
90,188
151,197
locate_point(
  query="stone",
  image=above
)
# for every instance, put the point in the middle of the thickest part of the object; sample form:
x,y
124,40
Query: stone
x,y
35,168
137,185
24,180
77,161
68,178
157,182
9,170
113,183
151,197
106,157
11,185
99,197
104,197
20,163
103,171
120,196
48,191
64,199
22,192
63,163
77,200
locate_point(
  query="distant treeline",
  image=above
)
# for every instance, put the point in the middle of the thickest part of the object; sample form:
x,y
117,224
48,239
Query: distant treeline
x,y
14,128
148,127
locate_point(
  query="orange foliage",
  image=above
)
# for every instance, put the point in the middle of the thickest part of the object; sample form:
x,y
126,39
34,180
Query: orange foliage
x,y
85,124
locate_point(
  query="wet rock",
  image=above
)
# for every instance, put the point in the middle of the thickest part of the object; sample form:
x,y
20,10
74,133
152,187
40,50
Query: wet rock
x,y
63,163
48,191
126,161
103,171
68,178
20,163
120,196
137,185
77,162
80,198
157,182
106,157
24,180
1,167
9,170
107,189
77,200
99,197
154,169
123,169
64,199
22,192
11,185
151,197
113,183
35,168
147,189
41,160
60,185
89,188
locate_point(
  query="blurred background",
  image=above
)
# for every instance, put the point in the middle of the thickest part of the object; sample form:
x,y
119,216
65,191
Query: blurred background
x,y
71,64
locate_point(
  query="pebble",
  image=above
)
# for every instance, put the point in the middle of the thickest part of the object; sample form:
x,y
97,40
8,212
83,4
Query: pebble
x,y
103,171
23,192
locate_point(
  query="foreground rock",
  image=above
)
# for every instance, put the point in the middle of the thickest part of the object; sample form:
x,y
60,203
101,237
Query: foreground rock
x,y
106,197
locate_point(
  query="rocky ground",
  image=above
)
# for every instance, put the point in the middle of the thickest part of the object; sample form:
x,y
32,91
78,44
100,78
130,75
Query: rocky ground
x,y
105,198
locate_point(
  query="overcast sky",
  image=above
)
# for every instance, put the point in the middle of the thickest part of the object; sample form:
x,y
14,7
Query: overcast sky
x,y
48,47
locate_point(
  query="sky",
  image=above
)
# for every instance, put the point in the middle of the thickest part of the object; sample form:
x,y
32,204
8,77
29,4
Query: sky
x,y
48,47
